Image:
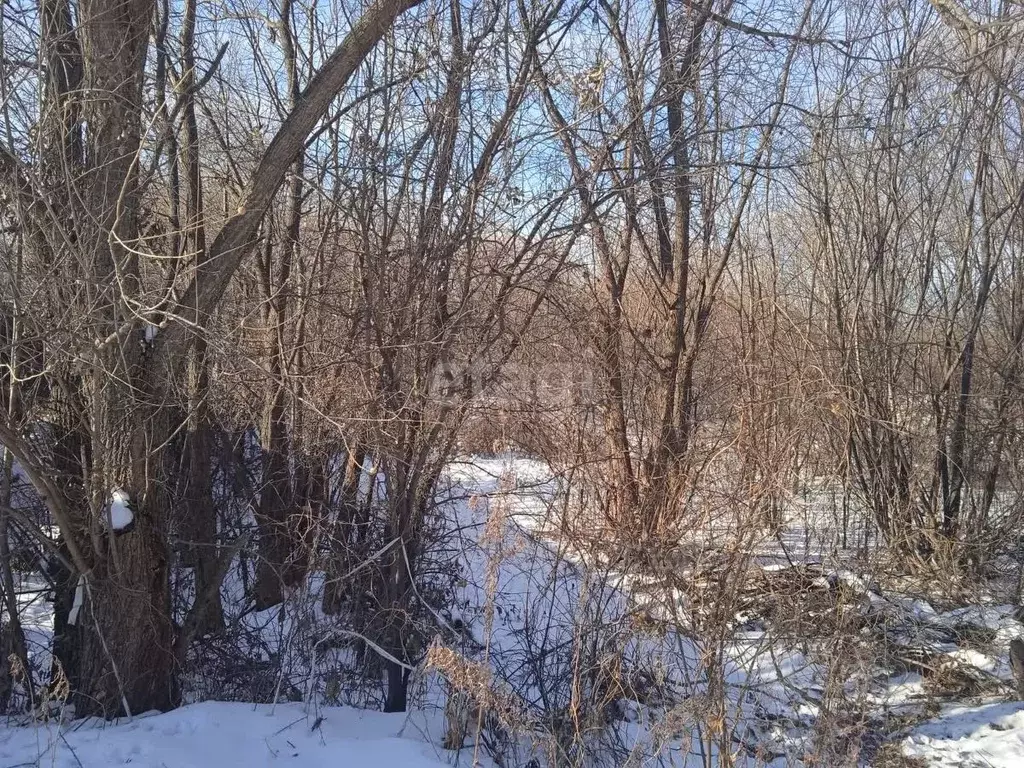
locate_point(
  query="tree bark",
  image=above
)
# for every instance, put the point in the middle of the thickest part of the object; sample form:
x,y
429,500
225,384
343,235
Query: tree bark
x,y
200,525
345,533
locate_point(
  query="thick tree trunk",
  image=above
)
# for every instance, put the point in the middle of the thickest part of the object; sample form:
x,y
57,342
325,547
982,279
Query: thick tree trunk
x,y
12,637
66,636
127,666
397,699
126,653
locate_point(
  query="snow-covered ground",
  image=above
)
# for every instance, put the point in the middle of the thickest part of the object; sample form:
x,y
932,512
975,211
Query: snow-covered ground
x,y
987,736
531,606
225,735
776,687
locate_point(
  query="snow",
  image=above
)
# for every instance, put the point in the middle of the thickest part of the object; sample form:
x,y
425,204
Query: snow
x,y
543,592
76,606
989,736
120,513
224,735
525,596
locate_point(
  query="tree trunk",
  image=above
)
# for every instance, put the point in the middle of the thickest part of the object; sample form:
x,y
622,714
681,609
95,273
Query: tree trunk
x,y
201,516
128,666
275,498
345,534
199,523
409,491
126,653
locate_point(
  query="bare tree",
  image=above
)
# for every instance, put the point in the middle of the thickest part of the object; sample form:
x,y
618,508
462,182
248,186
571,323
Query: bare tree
x,y
123,376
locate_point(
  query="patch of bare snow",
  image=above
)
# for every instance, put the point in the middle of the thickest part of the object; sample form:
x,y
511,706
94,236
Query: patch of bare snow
x,y
120,513
226,735
990,736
